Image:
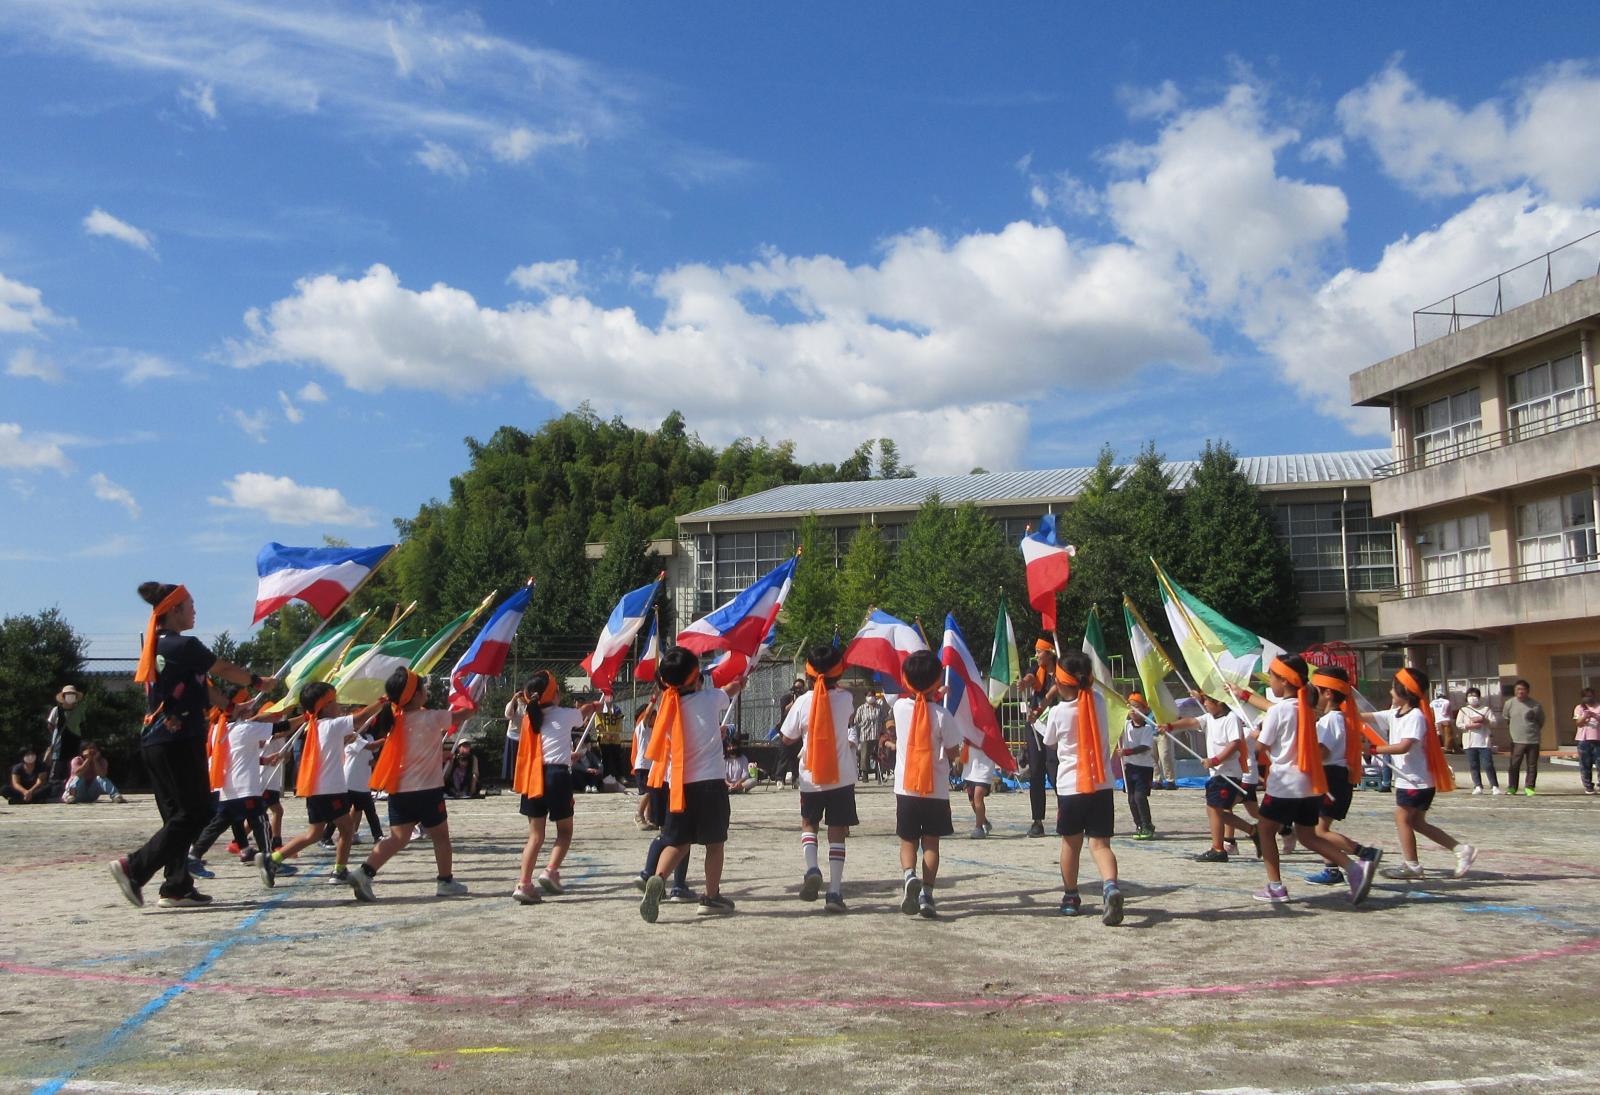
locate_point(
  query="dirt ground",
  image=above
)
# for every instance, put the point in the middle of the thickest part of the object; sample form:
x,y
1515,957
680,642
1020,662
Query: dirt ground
x,y
1480,984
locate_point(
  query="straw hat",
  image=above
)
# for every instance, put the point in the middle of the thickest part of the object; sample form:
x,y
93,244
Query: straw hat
x,y
68,690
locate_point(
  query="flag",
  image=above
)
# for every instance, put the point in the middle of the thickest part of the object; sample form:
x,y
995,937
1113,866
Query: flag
x,y
622,625
321,577
439,644
883,643
1005,665
360,681
743,622
733,666
1099,654
1049,566
317,662
1152,662
965,698
645,668
486,657
1216,668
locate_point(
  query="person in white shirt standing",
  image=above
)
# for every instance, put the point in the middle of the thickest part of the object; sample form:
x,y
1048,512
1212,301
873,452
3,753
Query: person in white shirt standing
x,y
1083,787
1476,722
928,741
1441,719
827,772
1420,769
542,777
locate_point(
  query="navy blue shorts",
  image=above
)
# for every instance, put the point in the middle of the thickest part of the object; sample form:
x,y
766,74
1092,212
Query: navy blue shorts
x,y
424,808
1414,800
556,802
1336,803
238,809
1092,814
1291,811
916,817
1223,795
835,807
272,798
323,809
705,815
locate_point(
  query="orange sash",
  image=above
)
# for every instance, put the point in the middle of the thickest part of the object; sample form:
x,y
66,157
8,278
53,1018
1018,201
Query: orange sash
x,y
386,773
1089,743
146,673
919,748
305,783
217,746
1438,768
1307,753
528,776
667,742
1353,726
822,746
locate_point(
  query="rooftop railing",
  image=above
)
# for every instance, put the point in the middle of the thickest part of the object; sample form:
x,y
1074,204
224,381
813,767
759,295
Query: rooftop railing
x,y
1483,442
1498,576
1538,277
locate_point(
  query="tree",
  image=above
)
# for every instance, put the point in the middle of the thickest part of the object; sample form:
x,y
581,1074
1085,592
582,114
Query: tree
x,y
1145,516
560,605
811,611
627,563
920,581
280,635
38,654
1093,525
863,576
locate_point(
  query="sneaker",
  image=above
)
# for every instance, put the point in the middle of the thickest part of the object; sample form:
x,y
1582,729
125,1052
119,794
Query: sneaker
x,y
1071,904
118,799
1275,892
197,868
718,905
979,832
1111,914
1036,829
1588,790
682,895
194,899
1230,846
1404,873
1170,785
235,848
326,843
550,882
650,903
267,869
1211,855
1328,876
833,903
1479,791
69,799
1368,855
988,826
925,906
1496,791
811,885
357,838
130,889
361,883
1527,792
913,892
640,881
340,877
1144,834
450,888
1361,875
1288,843
283,868
248,856
526,895
1466,856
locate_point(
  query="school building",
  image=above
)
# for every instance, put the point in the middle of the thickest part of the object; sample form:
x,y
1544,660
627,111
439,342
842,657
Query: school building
x,y
1494,482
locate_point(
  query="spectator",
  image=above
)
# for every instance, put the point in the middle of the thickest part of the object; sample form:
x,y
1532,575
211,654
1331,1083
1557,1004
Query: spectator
x,y
588,770
516,708
27,781
86,777
1476,721
461,772
65,723
1525,720
1586,718
789,751
1442,721
868,726
740,778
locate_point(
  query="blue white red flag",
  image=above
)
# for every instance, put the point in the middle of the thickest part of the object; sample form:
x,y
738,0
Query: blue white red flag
x,y
1049,566
486,657
624,623
734,666
645,668
883,644
321,577
743,622
966,699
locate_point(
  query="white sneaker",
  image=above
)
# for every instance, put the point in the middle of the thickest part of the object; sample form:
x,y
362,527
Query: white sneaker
x,y
526,895
1477,790
1404,872
1466,855
1496,791
449,889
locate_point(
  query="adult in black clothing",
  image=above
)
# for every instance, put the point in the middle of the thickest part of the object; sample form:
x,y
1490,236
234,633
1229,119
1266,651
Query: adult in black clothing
x,y
173,668
27,783
789,751
1040,684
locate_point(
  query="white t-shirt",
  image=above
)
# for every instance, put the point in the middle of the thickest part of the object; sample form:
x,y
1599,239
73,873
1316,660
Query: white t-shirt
x,y
1061,730
241,777
358,758
515,709
1441,709
979,769
1410,767
798,721
1221,731
328,759
422,762
702,737
1135,736
1279,734
1475,724
946,735
1331,736
555,734
641,742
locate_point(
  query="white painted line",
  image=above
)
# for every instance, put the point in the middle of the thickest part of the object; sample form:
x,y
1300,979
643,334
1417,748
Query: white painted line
x,y
1381,1087
111,1087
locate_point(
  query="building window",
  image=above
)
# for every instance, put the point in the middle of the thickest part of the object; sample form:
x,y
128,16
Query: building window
x,y
1556,536
727,562
1455,553
1543,392
1318,546
1015,528
1440,428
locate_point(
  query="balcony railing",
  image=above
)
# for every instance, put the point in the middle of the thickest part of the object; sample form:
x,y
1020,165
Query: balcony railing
x,y
1499,576
1483,442
1571,262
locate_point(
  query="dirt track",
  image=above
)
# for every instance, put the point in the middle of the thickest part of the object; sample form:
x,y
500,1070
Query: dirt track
x,y
301,989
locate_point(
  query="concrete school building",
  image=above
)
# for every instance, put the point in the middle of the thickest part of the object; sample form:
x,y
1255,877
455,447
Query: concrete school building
x,y
1494,483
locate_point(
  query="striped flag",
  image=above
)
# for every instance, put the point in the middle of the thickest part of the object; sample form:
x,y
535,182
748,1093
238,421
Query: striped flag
x,y
1216,668
486,657
1094,645
743,622
317,662
965,699
1049,567
645,668
1005,664
883,644
611,649
321,577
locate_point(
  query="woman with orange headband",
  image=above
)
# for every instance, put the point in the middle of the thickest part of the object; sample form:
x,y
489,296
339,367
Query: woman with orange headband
x,y
1296,784
173,669
410,771
827,771
1339,732
1042,686
543,777
927,742
1076,727
1420,769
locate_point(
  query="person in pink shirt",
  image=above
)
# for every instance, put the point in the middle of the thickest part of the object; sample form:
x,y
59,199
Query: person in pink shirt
x,y
1587,718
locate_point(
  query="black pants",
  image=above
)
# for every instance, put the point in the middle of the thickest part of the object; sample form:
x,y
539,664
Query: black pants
x,y
219,821
364,804
182,790
789,760
1137,779
1520,751
1040,762
614,761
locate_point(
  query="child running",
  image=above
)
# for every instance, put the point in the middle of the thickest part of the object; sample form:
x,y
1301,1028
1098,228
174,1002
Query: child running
x,y
410,771
237,756
320,781
1084,798
977,777
1420,769
543,777
358,757
1339,734
827,772
643,817
928,741
1227,752
1138,753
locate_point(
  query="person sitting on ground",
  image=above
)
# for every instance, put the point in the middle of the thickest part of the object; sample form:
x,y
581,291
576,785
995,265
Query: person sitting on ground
x,y
461,773
27,780
740,778
87,780
588,770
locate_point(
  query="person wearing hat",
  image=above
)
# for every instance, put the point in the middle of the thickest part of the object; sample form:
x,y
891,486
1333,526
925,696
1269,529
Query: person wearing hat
x,y
1041,685
65,722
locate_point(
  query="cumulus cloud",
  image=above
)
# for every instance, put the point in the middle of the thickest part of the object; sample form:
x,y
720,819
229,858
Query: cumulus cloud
x,y
107,491
22,310
27,363
441,159
1543,134
29,452
311,392
101,223
546,277
279,498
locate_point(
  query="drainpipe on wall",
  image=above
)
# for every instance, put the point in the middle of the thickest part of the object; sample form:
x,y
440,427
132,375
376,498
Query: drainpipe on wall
x,y
1586,359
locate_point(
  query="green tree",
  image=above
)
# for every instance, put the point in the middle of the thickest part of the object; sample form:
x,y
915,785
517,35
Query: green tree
x,y
1093,525
863,576
279,636
39,654
811,611
1146,522
921,581
627,563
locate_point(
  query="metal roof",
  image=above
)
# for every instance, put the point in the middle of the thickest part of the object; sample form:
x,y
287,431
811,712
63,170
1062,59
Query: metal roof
x,y
1017,487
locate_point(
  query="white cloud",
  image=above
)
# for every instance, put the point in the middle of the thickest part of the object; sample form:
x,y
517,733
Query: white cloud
x,y
294,414
28,363
520,143
545,278
107,491
311,392
101,223
22,310
1544,134
279,498
1150,102
29,452
1328,150
441,159
203,97
138,367
253,425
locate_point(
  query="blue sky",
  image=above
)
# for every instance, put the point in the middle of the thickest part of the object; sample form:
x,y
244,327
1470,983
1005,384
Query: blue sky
x,y
264,265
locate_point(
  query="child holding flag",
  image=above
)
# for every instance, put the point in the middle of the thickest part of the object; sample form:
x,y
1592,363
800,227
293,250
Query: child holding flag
x,y
1139,765
827,771
977,777
1420,769
320,781
543,777
1227,750
237,754
1083,787
1339,734
927,742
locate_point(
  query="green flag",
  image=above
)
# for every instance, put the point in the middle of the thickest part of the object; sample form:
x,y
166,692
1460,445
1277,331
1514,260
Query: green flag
x,y
361,679
1094,645
318,661
1004,664
439,643
1153,664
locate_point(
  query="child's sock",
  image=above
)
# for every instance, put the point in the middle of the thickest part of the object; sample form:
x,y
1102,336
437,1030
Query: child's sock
x,y
835,867
909,874
808,848
277,857
447,878
369,870
339,868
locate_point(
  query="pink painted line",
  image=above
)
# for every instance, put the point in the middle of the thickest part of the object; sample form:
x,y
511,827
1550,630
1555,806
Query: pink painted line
x,y
617,1003
87,857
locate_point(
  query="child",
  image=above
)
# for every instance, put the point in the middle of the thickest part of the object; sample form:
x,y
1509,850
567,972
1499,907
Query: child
x,y
643,818
1339,735
1476,722
1083,787
686,755
237,756
320,780
543,777
358,757
224,702
827,772
409,771
977,776
928,740
1227,752
1295,783
1139,765
1420,768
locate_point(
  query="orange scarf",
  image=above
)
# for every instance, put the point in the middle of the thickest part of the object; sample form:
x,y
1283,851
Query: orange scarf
x,y
1089,743
1353,726
305,784
667,742
146,673
1307,753
1438,768
217,747
386,773
822,747
919,747
528,777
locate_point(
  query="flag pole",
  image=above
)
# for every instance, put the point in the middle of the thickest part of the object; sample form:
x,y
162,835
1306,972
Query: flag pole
x,y
1138,618
1108,688
1232,700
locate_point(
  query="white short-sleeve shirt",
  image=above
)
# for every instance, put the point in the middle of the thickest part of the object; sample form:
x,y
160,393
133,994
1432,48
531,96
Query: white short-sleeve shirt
x,y
243,776
358,757
798,720
555,734
1279,734
1332,736
702,736
946,736
422,762
1061,730
1135,736
1410,767
1221,731
327,760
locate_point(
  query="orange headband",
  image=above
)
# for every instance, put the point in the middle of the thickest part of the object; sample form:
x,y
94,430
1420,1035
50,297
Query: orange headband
x,y
1045,644
146,673
551,691
828,674
1308,755
1283,670
1413,686
410,690
323,701
1323,681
